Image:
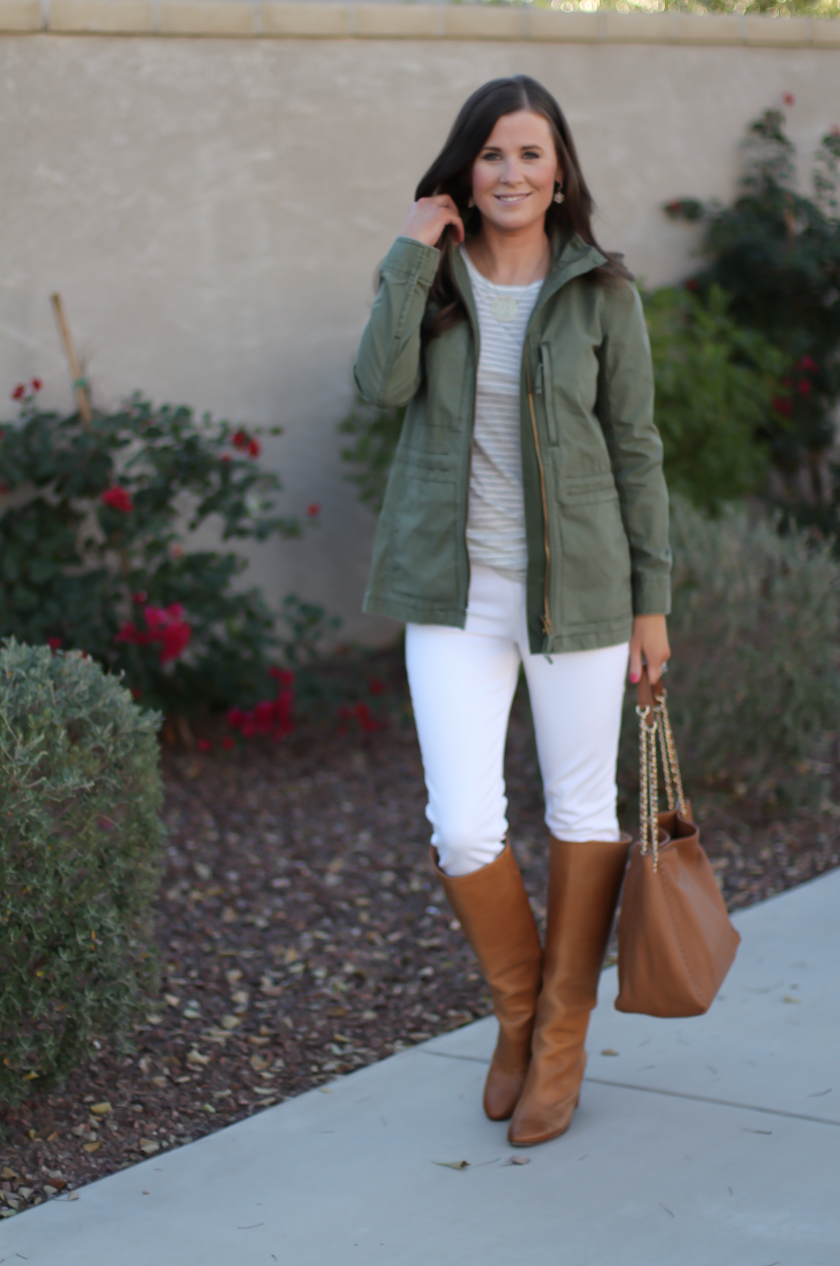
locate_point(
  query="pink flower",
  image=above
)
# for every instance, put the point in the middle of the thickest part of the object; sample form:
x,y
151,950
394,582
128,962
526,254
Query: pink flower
x,y
132,635
19,392
140,596
118,498
204,745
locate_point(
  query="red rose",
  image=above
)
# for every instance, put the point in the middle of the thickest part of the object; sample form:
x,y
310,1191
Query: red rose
x,y
789,99
204,745
118,498
228,743
241,439
254,448
313,509
804,386
783,406
36,384
19,392
54,643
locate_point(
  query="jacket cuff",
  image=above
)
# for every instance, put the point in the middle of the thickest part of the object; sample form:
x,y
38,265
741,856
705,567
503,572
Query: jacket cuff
x,y
651,595
409,259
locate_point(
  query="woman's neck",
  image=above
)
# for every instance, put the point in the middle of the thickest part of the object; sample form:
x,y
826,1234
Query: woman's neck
x,y
511,258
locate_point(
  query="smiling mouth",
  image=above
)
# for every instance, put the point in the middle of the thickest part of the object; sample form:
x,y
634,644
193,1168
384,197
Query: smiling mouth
x,y
510,198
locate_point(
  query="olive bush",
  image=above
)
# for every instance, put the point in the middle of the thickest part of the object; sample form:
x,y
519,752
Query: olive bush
x,y
80,851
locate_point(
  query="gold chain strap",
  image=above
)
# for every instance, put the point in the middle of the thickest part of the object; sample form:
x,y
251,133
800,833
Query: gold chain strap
x,y
648,784
670,761
652,720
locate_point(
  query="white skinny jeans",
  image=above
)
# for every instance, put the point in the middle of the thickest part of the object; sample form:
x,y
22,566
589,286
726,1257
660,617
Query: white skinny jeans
x,y
462,686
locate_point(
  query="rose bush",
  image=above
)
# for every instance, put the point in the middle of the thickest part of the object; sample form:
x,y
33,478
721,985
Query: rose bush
x,y
97,552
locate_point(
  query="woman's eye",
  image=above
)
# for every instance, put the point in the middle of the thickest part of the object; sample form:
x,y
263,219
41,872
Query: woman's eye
x,y
530,153
489,157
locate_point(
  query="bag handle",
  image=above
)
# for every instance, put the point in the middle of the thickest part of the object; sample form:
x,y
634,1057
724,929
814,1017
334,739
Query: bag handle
x,y
652,711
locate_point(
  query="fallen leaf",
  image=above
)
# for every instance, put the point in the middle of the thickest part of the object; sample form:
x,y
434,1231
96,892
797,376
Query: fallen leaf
x,y
101,1109
453,1164
517,1160
92,1147
9,1174
33,1134
609,1051
52,1137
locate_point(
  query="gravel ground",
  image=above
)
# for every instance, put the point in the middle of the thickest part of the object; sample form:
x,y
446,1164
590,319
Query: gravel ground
x,y
302,935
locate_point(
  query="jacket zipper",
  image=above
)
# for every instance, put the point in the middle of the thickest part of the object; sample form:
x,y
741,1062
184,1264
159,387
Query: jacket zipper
x,y
548,627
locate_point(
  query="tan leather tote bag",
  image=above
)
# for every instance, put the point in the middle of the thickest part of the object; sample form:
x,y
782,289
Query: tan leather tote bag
x,y
675,940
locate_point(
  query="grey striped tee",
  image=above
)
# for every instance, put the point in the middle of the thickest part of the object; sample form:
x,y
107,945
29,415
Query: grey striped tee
x,y
496,517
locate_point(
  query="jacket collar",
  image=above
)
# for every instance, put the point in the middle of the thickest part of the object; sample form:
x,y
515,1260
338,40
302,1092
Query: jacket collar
x,y
570,257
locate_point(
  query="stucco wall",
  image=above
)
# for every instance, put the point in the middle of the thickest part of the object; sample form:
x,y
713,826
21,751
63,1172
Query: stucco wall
x,y
212,211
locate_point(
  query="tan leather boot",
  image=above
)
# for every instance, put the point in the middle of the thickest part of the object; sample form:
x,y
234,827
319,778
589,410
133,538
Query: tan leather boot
x,y
583,886
492,907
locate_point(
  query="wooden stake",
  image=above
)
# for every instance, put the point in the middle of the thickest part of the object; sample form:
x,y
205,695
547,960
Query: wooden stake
x,y
80,386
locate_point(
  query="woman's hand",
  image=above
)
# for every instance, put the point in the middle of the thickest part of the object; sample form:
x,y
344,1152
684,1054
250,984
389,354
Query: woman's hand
x,y
428,218
649,645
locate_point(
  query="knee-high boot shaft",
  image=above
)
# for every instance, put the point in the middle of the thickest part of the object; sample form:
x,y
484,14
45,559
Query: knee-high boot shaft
x,y
492,907
584,884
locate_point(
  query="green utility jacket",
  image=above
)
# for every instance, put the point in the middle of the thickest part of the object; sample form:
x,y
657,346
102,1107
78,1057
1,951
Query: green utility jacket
x,y
596,507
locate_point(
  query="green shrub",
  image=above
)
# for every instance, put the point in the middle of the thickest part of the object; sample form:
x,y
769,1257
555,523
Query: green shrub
x,y
755,635
714,384
776,253
98,549
80,846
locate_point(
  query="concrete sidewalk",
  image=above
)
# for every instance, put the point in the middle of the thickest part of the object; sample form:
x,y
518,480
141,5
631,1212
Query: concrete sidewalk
x,y
715,1139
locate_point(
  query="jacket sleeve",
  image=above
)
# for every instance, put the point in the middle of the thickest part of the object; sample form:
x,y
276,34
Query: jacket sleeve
x,y
387,370
625,410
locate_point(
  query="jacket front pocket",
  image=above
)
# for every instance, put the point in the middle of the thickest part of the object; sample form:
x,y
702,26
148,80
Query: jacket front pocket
x,y
595,556
423,544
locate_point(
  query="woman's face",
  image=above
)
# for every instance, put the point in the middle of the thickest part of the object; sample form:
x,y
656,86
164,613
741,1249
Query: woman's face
x,y
514,175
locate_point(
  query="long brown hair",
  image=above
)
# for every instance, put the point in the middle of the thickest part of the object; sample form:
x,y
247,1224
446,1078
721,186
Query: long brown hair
x,y
451,173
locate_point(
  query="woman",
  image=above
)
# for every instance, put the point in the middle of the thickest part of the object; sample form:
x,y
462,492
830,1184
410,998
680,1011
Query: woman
x,y
525,522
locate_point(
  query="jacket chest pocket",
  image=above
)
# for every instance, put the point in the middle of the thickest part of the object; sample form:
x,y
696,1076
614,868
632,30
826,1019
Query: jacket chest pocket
x,y
567,384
